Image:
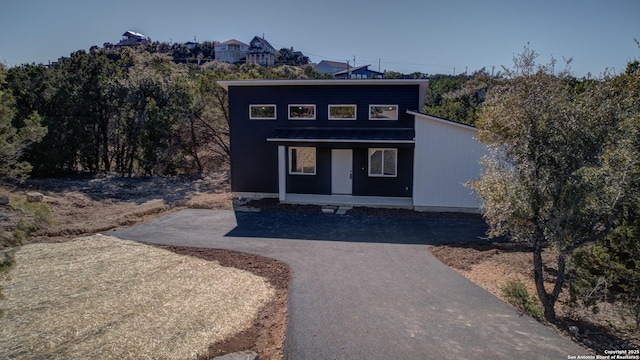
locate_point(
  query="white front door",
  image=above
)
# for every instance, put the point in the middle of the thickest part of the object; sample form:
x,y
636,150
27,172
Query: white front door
x,y
341,171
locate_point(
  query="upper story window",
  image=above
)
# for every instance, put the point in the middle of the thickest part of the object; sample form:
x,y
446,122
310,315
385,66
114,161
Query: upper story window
x,y
262,112
383,112
342,112
302,112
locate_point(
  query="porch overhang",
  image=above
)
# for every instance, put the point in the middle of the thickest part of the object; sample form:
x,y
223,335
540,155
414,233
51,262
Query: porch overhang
x,y
344,135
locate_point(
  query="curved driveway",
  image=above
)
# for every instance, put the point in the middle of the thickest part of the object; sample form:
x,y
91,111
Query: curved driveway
x,y
368,287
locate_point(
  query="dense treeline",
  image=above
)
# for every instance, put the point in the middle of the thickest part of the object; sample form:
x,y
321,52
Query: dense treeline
x,y
199,53
458,97
129,111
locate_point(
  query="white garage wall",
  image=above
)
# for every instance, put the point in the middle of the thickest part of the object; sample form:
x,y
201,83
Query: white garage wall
x,y
447,155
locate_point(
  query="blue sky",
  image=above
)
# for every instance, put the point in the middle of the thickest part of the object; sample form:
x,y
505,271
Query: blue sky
x,y
431,36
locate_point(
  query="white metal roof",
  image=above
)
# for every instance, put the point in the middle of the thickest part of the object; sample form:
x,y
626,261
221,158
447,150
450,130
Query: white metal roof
x,y
133,33
445,121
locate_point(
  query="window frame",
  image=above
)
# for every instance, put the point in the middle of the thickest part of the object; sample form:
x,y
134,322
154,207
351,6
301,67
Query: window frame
x,y
371,106
315,160
275,112
372,151
355,111
303,118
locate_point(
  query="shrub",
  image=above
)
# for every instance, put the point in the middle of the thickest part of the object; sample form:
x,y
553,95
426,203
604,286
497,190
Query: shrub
x,y
517,295
609,270
30,217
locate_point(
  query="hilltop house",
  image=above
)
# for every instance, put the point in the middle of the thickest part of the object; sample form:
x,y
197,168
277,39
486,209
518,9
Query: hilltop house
x,y
261,52
330,67
133,38
356,142
231,51
359,72
342,70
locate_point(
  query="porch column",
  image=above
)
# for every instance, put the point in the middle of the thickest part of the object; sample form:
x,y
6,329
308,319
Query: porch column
x,y
282,173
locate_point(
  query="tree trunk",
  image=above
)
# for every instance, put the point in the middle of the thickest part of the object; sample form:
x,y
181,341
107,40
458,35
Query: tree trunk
x,y
104,142
194,144
547,301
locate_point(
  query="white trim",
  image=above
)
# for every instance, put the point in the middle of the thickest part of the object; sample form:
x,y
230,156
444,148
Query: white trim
x,y
275,112
344,141
447,209
395,170
384,119
225,84
443,121
315,160
282,172
355,111
252,195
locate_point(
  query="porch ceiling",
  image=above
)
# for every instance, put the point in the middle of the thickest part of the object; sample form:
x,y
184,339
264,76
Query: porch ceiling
x,y
377,135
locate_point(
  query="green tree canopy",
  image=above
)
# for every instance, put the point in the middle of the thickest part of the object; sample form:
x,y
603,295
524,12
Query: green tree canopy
x,y
560,161
16,134
457,98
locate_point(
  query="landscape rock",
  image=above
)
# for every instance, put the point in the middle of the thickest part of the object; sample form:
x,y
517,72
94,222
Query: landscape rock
x,y
241,355
4,199
33,196
574,330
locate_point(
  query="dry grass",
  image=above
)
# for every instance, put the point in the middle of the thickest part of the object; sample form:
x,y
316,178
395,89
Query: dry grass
x,y
101,297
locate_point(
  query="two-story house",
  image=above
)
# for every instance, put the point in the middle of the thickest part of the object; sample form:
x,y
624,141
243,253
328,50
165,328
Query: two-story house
x,y
231,51
261,52
358,142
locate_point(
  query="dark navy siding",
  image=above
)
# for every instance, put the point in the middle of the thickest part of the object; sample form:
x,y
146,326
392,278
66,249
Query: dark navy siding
x,y
254,161
405,96
320,183
399,186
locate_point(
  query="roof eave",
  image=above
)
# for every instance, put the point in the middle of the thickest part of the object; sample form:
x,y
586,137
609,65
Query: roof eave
x,y
444,121
323,82
368,141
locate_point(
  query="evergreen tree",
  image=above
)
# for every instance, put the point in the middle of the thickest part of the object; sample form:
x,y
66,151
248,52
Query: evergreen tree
x,y
560,162
16,134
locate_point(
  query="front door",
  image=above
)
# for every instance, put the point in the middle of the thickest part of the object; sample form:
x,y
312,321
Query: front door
x,y
341,171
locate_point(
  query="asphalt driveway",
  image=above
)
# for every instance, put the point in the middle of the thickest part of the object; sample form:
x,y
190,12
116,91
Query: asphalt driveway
x,y
368,287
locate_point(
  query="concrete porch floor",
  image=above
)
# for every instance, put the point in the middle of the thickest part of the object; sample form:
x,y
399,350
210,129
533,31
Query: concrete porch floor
x,y
370,201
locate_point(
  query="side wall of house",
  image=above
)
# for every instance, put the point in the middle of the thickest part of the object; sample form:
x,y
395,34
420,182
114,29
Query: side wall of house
x,y
254,167
446,157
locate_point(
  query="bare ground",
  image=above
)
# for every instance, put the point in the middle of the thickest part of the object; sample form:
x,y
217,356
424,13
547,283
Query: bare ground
x,y
86,206
93,205
491,265
76,300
